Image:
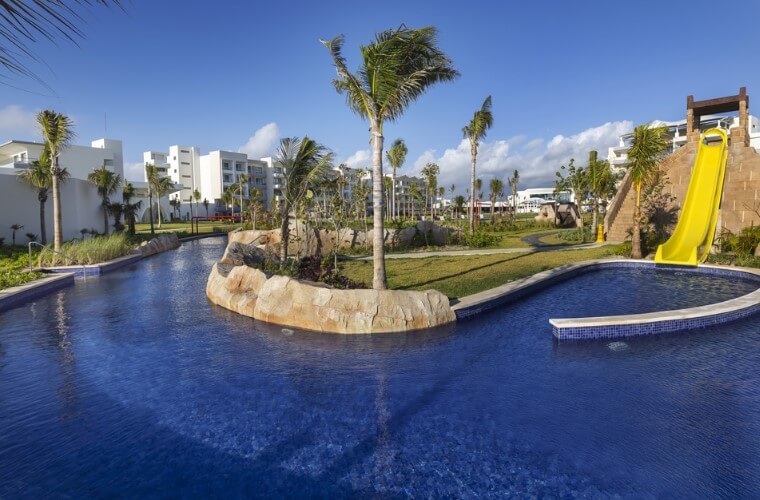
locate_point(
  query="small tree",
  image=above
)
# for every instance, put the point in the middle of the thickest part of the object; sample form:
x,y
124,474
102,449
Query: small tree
x,y
513,184
647,147
396,156
40,177
475,131
205,205
430,172
14,228
130,209
497,190
107,183
196,198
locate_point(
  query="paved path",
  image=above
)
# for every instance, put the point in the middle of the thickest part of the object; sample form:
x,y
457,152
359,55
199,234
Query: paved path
x,y
475,251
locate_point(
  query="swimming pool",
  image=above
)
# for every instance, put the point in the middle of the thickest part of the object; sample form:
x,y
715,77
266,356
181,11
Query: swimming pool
x,y
134,385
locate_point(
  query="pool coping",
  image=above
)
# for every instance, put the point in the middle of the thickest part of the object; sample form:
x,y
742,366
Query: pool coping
x,y
99,269
17,295
599,327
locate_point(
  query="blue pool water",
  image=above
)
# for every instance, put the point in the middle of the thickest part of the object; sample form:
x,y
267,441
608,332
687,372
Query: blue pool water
x,y
134,385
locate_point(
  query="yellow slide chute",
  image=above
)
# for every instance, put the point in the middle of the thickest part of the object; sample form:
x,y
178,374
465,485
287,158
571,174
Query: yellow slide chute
x,y
691,241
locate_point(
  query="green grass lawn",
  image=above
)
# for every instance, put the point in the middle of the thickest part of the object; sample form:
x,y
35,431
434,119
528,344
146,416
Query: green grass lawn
x,y
184,227
461,276
14,265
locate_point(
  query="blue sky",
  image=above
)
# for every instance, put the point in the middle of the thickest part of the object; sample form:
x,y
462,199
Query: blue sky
x,y
565,76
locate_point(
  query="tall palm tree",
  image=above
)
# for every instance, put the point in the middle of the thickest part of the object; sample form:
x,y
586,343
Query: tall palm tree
x,y
57,133
151,175
497,190
476,131
161,186
304,162
107,183
513,183
397,67
39,176
130,209
415,194
396,157
647,146
205,205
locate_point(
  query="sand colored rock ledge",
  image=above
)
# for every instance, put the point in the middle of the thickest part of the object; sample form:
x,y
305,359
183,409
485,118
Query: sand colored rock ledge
x,y
315,306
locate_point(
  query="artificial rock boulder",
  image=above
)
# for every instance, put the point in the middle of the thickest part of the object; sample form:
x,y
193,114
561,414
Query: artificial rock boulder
x,y
159,244
316,306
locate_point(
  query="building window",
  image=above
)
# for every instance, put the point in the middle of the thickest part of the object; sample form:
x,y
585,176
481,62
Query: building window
x,y
184,151
259,170
185,162
186,176
227,178
226,165
239,167
277,170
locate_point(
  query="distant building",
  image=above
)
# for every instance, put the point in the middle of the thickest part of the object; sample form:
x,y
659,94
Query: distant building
x,y
676,134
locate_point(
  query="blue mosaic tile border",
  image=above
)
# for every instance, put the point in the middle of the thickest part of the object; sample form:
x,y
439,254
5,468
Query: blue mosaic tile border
x,y
651,328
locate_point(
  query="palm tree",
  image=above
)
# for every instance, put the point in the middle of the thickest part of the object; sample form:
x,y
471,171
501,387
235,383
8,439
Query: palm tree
x,y
175,204
476,131
39,176
513,182
243,179
647,146
151,175
601,184
430,172
197,198
205,205
14,228
130,209
398,66
161,186
497,190
228,198
304,162
396,156
415,194
107,183
57,133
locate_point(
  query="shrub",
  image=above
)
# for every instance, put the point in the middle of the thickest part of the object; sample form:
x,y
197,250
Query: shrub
x,y
480,239
14,262
743,243
90,251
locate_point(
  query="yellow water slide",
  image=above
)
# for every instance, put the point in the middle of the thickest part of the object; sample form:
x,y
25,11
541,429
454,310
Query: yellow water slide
x,y
691,241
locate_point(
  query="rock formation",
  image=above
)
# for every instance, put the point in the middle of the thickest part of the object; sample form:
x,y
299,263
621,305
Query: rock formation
x,y
316,306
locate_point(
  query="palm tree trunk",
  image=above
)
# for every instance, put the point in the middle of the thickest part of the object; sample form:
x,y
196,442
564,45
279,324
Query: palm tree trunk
x,y
158,208
284,234
42,197
474,156
636,236
57,216
105,216
379,281
393,191
150,211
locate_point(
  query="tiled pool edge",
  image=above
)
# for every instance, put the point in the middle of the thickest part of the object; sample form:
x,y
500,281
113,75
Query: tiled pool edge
x,y
86,271
17,295
616,326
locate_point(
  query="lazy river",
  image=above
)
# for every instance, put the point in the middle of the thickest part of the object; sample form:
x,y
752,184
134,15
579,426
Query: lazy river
x,y
133,384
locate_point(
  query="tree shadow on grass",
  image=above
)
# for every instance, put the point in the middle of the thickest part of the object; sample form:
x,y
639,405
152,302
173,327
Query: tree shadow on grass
x,y
511,258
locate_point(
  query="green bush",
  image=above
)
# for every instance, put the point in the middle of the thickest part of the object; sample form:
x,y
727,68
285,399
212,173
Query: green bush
x,y
14,262
480,239
743,244
90,251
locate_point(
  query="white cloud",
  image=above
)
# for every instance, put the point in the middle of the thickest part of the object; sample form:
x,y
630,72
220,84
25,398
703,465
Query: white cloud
x,y
360,159
134,171
17,123
536,160
262,142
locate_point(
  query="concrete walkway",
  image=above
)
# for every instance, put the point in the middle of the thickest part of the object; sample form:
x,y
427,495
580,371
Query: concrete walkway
x,y
475,251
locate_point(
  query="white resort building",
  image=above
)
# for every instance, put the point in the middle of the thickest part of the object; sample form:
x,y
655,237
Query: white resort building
x,y
618,155
80,203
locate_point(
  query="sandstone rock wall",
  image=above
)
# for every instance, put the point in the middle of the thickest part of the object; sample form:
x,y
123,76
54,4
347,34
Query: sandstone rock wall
x,y
159,244
315,306
310,241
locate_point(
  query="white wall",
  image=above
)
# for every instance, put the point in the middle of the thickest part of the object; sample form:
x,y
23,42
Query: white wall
x,y
80,205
